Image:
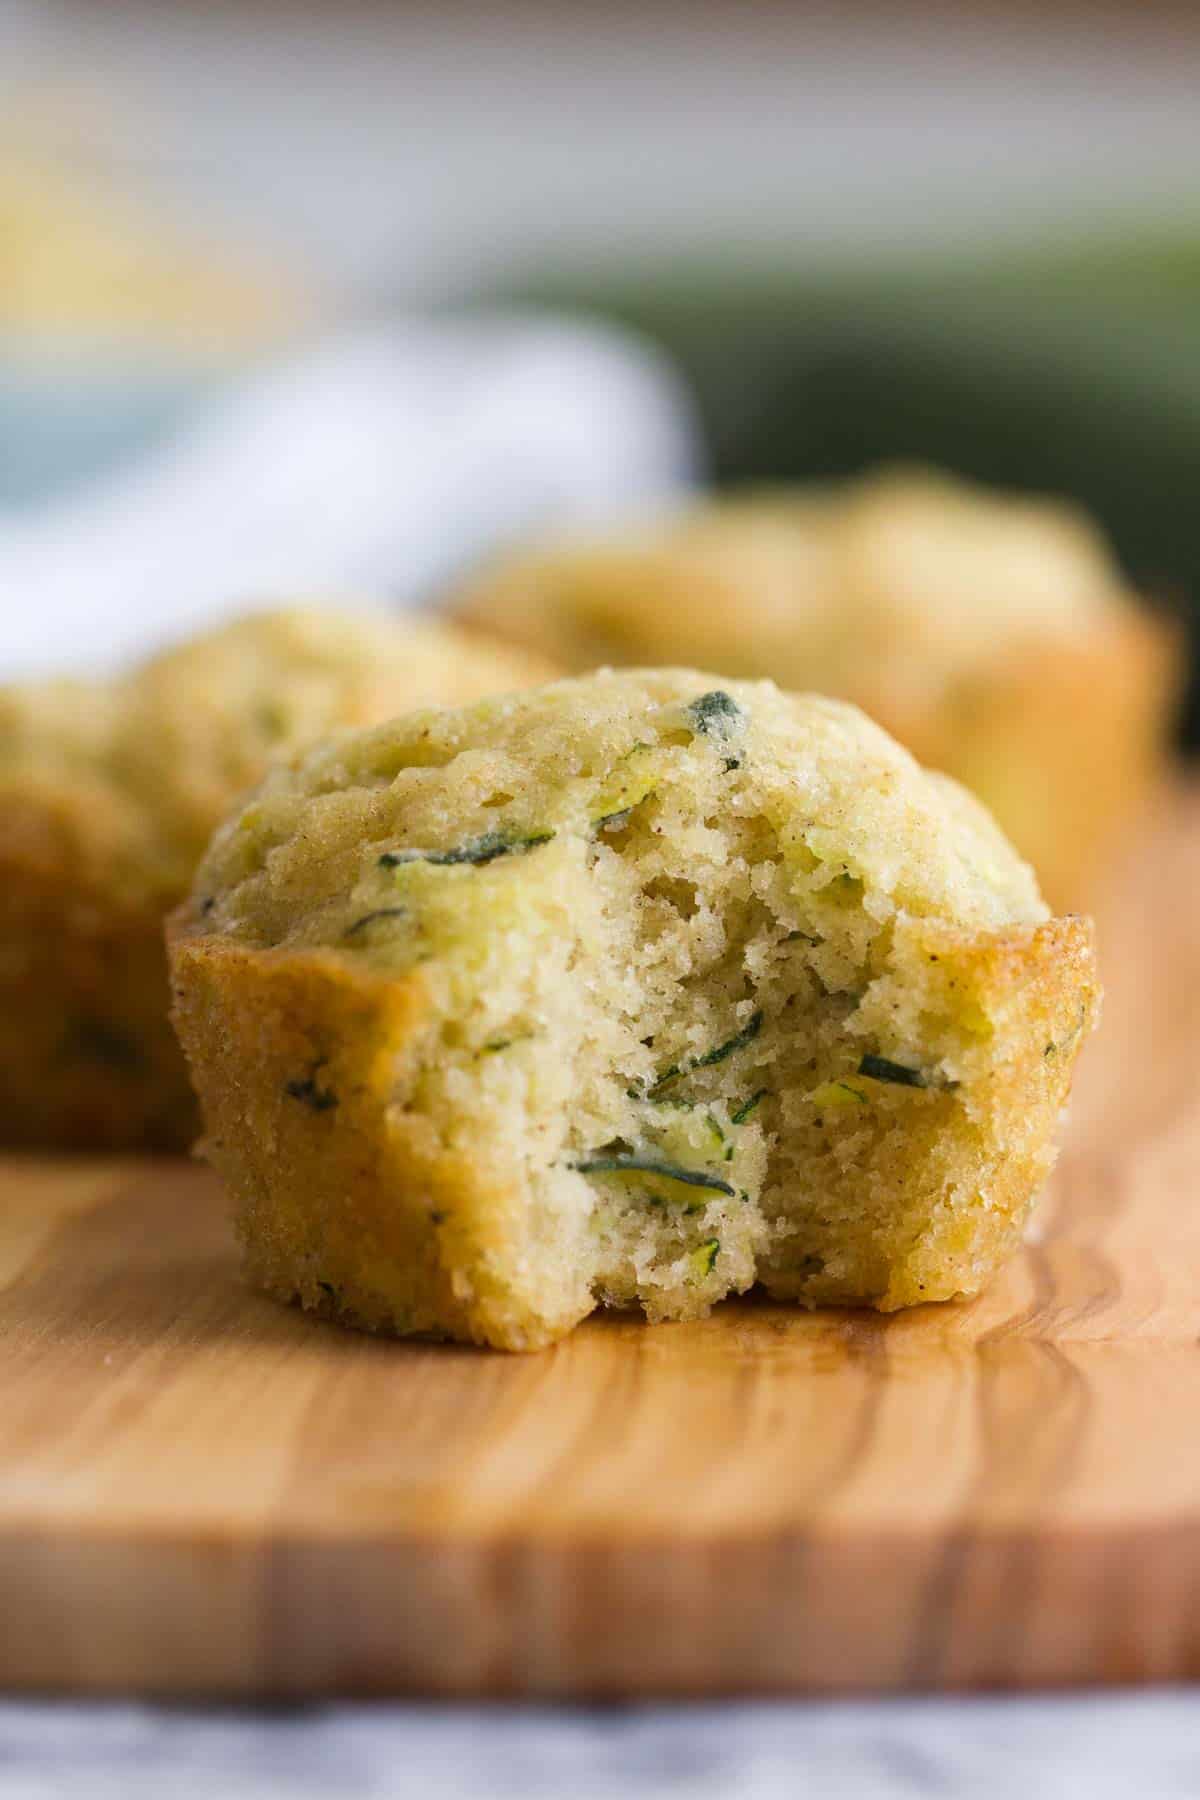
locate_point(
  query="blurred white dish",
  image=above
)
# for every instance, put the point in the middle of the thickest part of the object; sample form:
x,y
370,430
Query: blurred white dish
x,y
378,465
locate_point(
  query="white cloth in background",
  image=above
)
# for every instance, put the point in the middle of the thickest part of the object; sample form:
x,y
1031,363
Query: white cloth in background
x,y
376,468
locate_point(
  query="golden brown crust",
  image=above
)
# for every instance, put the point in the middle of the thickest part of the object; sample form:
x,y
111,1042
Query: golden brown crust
x,y
340,1199
1043,985
976,1155
1061,739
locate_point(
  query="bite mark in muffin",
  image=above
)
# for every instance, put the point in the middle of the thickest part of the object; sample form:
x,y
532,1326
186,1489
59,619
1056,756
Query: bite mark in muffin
x,y
611,1007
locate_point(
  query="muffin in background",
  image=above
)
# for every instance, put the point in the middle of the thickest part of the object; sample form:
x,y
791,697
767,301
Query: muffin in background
x,y
992,634
109,792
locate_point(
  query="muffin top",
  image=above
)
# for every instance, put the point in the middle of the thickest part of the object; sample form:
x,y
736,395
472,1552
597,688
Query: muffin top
x,y
373,843
138,771
914,574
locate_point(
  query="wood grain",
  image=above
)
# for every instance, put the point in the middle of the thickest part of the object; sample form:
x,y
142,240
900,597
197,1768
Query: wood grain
x,y
202,1492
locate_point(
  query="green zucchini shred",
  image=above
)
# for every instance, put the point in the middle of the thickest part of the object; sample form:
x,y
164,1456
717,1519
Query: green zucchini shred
x,y
621,817
704,1257
309,1094
740,1039
630,1163
747,1107
715,714
478,850
709,1059
493,1046
380,912
882,1068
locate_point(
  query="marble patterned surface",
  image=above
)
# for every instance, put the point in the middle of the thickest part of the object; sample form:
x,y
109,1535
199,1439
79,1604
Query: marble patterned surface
x,y
1101,1747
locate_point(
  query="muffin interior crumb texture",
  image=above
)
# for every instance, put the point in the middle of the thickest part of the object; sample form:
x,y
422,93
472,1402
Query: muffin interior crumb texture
x,y
705,985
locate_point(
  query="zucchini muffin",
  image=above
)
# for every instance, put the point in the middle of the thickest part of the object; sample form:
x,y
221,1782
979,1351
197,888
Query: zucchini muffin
x,y
633,989
109,793
992,635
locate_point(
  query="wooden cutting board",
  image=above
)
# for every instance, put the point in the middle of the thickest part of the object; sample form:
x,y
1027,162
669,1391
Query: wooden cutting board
x,y
203,1492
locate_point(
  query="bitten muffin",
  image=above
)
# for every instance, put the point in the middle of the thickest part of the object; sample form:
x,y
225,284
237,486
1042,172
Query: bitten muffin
x,y
632,989
991,634
108,795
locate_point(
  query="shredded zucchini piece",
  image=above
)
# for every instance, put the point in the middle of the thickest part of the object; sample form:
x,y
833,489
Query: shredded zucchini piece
x,y
731,1045
838,1094
716,714
881,1068
483,849
747,1107
630,1163
381,912
704,1257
